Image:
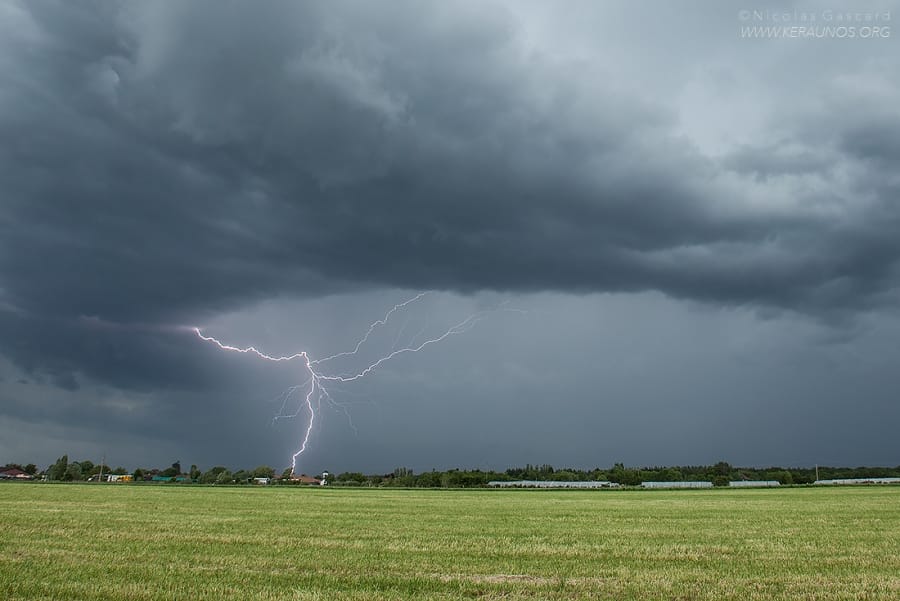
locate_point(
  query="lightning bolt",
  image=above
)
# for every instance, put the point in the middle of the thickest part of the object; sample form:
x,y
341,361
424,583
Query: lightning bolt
x,y
316,374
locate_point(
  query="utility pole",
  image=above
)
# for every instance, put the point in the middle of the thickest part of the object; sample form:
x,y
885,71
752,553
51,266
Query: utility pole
x,y
102,461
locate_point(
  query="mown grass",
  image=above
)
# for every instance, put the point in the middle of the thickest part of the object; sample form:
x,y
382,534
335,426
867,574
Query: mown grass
x,y
137,542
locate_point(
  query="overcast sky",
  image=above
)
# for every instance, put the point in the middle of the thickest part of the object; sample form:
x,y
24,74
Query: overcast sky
x,y
682,242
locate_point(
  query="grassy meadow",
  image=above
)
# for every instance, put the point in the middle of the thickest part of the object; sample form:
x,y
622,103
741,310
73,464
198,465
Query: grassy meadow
x,y
170,542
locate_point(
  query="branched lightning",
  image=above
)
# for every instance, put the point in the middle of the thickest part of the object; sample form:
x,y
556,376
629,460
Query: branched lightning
x,y
317,375
372,327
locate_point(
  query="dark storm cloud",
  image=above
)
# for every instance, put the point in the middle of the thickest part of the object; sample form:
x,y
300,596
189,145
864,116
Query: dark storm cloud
x,y
64,351
172,159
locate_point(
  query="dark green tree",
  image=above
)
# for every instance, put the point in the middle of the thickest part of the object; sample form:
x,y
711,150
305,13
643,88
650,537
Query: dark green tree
x,y
784,477
73,472
430,479
210,476
57,471
403,476
264,471
622,475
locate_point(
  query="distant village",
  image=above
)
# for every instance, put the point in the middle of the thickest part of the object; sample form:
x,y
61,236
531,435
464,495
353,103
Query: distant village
x,y
86,471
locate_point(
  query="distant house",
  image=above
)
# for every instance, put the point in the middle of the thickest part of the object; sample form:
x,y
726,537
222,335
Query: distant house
x,y
262,481
304,479
120,478
14,473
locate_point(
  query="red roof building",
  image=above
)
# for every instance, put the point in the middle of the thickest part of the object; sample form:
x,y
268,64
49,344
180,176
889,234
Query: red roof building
x,y
14,473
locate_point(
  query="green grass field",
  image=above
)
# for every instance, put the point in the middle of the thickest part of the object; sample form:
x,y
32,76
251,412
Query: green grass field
x,y
66,542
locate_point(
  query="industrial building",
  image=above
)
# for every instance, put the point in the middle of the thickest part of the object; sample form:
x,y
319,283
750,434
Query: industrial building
x,y
551,484
859,481
754,483
698,484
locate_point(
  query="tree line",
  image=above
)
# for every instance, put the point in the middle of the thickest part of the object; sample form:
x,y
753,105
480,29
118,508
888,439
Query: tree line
x,y
720,474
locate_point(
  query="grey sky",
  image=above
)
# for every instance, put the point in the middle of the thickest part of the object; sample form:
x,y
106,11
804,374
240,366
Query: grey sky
x,y
700,227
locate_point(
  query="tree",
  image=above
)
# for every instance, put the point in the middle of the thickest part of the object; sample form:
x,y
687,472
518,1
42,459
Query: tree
x,y
669,474
403,476
73,472
563,476
784,477
224,477
721,473
722,468
138,475
57,471
622,475
195,472
430,479
30,469
264,471
211,476
355,477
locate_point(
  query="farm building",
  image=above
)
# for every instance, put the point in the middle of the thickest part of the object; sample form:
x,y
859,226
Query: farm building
x,y
676,484
754,483
120,478
304,479
551,484
14,473
859,481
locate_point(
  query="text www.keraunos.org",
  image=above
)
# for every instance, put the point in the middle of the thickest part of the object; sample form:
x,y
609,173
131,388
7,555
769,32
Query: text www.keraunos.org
x,y
815,31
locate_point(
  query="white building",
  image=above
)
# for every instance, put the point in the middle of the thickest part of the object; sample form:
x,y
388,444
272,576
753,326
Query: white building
x,y
551,484
754,483
860,481
676,484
